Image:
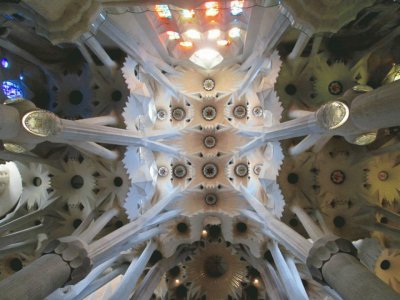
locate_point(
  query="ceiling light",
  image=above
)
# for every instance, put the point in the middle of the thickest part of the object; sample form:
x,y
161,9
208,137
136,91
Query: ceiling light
x,y
214,34
207,58
212,9
236,8
234,32
187,14
163,11
172,35
222,42
186,44
193,34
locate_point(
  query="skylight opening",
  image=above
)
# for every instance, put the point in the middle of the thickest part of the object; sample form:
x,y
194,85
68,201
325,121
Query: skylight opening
x,y
206,58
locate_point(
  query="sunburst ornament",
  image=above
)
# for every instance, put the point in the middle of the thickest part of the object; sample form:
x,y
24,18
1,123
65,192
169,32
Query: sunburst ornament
x,y
35,183
70,96
383,178
332,80
215,271
340,212
76,183
293,85
113,181
387,268
296,179
109,94
337,173
132,74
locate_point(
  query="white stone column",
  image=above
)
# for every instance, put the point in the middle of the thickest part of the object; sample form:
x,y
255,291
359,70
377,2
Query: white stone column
x,y
133,273
301,43
325,120
289,282
278,230
99,51
309,225
130,234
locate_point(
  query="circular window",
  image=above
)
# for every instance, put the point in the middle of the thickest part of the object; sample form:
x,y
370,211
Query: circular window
x,y
75,97
77,182
335,88
161,114
178,114
241,170
116,96
258,111
210,170
118,181
240,111
257,169
210,141
208,84
210,199
209,113
163,171
338,177
179,171
290,89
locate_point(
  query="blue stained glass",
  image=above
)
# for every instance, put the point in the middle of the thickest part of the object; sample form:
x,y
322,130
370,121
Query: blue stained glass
x,y
12,89
4,63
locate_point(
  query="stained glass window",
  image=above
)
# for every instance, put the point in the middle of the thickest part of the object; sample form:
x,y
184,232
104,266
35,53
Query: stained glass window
x,y
12,89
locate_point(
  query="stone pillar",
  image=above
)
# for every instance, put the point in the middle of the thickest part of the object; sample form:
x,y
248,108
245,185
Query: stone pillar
x,y
66,260
377,109
9,122
333,261
37,280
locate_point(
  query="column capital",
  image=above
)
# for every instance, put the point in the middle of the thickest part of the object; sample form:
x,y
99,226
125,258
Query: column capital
x,y
73,251
323,250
